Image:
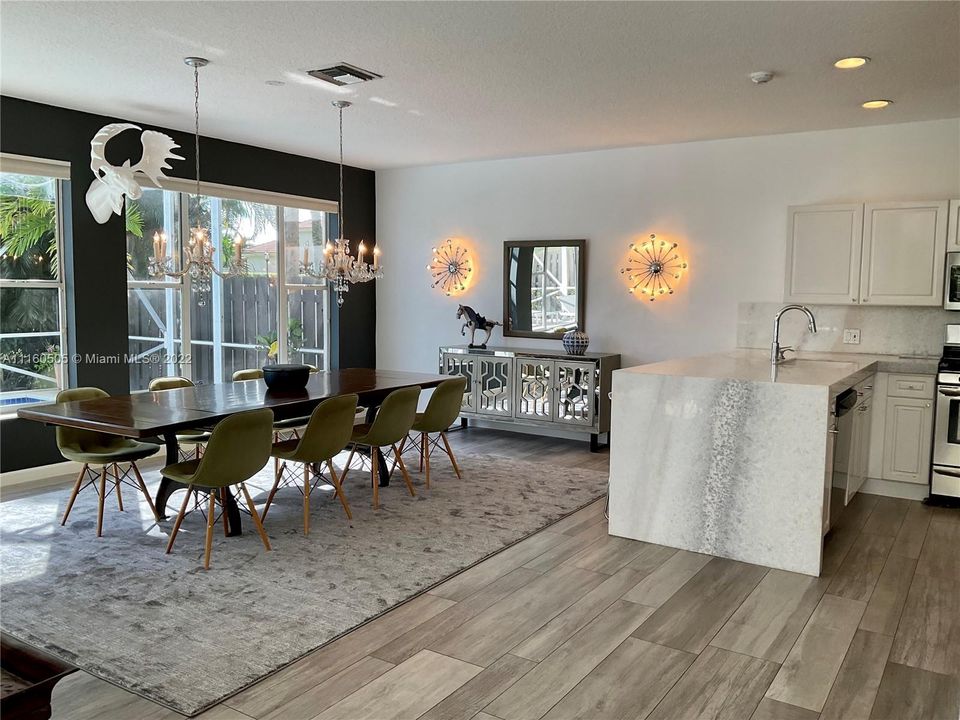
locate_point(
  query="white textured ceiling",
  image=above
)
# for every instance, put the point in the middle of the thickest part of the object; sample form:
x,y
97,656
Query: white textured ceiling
x,y
474,80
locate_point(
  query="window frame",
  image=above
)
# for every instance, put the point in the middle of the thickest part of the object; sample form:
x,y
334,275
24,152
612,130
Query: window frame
x,y
59,172
185,190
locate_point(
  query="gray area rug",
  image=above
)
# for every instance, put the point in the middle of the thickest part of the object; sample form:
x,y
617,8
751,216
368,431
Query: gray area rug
x,y
160,626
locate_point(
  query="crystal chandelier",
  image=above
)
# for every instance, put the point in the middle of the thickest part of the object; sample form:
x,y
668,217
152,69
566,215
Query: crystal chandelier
x,y
198,257
338,266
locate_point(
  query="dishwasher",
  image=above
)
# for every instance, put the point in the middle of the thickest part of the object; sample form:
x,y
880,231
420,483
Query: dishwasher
x,y
844,453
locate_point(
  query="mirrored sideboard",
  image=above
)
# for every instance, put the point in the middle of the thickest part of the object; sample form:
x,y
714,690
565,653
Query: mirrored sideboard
x,y
535,387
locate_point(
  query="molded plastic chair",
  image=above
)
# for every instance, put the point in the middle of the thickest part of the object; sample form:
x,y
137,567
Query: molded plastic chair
x,y
441,411
197,438
293,426
238,448
327,433
391,425
94,448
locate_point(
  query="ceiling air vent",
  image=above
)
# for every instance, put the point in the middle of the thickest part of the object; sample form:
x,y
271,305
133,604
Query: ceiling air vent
x,y
343,74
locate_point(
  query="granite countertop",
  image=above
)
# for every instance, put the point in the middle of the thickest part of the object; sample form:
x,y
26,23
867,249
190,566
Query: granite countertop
x,y
834,370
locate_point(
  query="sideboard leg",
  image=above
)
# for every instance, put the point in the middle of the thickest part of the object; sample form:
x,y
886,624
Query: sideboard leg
x,y
464,423
594,442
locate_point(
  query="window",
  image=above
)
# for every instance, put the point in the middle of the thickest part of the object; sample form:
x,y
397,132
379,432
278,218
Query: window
x,y
31,283
305,235
236,326
153,304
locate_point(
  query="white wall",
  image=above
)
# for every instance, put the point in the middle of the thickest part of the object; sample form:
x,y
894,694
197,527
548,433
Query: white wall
x,y
724,201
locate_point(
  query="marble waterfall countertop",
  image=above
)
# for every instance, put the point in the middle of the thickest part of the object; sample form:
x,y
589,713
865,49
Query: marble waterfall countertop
x,y
836,371
720,455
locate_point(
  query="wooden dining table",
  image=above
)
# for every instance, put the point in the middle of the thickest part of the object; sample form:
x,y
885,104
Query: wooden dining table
x,y
165,413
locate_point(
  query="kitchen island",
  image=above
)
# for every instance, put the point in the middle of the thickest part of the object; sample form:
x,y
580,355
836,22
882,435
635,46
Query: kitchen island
x,y
726,455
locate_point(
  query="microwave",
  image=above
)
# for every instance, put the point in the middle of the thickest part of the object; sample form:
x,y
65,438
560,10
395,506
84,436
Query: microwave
x,y
951,290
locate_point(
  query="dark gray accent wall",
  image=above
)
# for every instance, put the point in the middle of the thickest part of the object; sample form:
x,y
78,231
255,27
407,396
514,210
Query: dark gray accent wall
x,y
95,255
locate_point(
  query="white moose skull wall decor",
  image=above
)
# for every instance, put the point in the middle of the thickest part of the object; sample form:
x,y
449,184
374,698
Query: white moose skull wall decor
x,y
112,182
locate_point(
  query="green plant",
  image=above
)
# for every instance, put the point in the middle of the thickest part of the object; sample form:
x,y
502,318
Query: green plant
x,y
268,341
28,222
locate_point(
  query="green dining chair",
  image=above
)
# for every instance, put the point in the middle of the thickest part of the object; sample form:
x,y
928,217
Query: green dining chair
x,y
441,411
238,448
99,449
389,427
291,427
197,438
327,433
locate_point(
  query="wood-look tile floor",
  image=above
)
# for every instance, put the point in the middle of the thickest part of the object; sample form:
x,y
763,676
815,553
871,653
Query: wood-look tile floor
x,y
572,623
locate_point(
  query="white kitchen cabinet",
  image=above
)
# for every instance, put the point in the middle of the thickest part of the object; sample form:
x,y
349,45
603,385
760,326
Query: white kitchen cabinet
x,y
907,440
823,254
901,434
875,254
904,249
953,227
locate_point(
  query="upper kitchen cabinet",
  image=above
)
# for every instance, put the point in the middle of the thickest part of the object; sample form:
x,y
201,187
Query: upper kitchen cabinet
x,y
823,254
953,227
904,250
879,254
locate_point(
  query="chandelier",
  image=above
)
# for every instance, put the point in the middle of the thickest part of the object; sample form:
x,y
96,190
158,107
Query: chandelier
x,y
338,266
198,256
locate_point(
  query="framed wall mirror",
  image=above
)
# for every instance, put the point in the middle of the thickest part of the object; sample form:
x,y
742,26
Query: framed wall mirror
x,y
544,287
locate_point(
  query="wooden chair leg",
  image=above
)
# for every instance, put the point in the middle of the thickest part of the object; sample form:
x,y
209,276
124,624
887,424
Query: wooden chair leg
x,y
176,524
256,518
425,441
208,541
338,486
76,491
143,489
223,505
403,470
103,495
306,498
346,468
403,443
423,449
453,460
276,486
116,479
374,473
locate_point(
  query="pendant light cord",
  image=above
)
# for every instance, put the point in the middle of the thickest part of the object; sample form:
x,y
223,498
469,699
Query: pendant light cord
x,y
340,209
196,132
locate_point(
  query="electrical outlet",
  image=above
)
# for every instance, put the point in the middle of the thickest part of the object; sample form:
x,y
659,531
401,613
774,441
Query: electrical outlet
x,y
851,336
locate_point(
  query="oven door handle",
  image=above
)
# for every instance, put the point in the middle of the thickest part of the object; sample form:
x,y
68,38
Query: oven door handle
x,y
949,392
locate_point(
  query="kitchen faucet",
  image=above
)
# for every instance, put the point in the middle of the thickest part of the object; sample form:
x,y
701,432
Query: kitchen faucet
x,y
777,353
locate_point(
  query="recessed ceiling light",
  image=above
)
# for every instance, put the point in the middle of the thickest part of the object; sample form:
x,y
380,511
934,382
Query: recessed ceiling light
x,y
876,104
851,63
274,83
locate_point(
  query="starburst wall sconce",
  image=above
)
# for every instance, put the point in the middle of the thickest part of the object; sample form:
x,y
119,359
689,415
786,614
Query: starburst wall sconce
x,y
451,267
653,267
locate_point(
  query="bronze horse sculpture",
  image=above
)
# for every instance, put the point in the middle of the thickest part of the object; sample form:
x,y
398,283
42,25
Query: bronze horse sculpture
x,y
475,321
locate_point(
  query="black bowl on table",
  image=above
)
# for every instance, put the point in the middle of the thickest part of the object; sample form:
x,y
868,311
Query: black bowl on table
x,y
286,377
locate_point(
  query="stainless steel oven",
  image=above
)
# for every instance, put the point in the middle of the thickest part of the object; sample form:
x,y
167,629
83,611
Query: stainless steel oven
x,y
945,476
951,289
